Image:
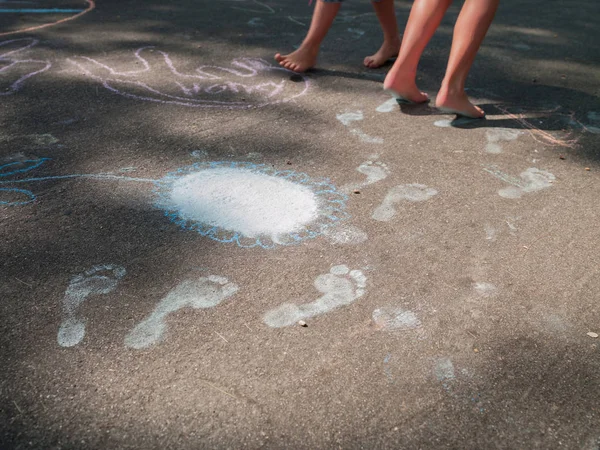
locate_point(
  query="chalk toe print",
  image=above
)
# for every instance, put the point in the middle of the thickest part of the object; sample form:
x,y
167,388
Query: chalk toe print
x,y
98,280
340,287
533,180
205,292
245,83
405,192
498,135
15,68
374,170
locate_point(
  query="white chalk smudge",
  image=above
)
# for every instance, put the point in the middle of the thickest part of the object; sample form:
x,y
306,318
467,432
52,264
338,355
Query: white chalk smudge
x,y
405,192
444,370
366,138
347,118
387,106
457,122
205,292
256,22
374,170
347,234
497,135
521,46
240,200
356,33
391,318
99,280
485,289
340,287
490,232
386,368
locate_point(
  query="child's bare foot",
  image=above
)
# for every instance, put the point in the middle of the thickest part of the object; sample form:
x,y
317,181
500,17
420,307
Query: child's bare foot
x,y
388,50
457,103
402,85
299,61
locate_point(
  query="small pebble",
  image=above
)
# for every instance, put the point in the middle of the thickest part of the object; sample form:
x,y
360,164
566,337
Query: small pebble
x,y
476,350
588,169
592,334
561,157
356,191
302,323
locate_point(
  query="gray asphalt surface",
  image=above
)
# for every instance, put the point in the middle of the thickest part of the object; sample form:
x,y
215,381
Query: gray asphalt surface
x,y
456,263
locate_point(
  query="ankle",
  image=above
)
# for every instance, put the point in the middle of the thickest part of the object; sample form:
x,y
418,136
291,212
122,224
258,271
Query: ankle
x,y
392,40
453,88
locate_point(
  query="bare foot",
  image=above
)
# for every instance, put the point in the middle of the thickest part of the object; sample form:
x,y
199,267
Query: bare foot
x,y
402,85
299,61
388,50
457,103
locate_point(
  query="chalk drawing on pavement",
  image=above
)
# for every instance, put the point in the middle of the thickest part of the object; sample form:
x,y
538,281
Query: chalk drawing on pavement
x,y
374,171
204,292
262,9
99,280
74,13
531,180
497,135
251,205
16,69
247,83
345,234
405,192
340,287
392,318
347,118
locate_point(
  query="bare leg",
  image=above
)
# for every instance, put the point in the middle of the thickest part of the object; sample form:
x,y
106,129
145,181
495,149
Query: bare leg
x,y
306,56
425,17
386,13
471,27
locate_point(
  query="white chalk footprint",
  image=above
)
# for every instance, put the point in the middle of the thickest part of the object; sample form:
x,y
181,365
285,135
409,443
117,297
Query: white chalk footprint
x,y
496,136
533,180
99,280
340,287
374,170
204,292
409,192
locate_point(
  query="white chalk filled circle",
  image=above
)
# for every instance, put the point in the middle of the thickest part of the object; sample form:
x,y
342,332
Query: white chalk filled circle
x,y
250,204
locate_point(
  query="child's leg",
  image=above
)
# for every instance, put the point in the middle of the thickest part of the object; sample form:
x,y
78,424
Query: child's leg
x,y
471,27
425,17
306,56
386,13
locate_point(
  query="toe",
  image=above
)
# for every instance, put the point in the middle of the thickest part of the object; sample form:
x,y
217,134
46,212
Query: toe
x,y
278,57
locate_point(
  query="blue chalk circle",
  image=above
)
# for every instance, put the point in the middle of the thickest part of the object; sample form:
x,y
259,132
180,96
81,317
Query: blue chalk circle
x,y
251,205
21,197
17,167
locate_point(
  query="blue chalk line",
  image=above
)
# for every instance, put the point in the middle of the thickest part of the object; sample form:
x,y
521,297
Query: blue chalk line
x,y
39,11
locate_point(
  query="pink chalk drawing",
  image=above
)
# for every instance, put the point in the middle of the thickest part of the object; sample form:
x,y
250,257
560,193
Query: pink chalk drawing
x,y
14,70
247,83
90,6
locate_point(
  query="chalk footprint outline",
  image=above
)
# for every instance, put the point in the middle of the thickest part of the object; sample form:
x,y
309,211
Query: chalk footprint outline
x,y
340,287
201,293
413,192
92,282
534,180
375,171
